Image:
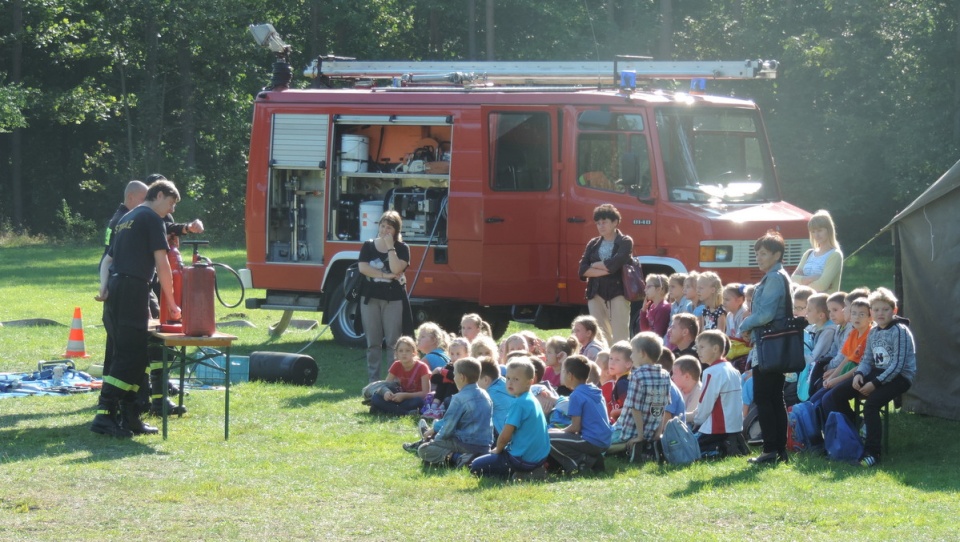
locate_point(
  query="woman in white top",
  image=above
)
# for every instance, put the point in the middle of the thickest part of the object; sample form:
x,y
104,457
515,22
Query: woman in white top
x,y
821,266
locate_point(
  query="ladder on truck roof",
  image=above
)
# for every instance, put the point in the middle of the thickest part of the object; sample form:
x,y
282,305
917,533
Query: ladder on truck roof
x,y
532,72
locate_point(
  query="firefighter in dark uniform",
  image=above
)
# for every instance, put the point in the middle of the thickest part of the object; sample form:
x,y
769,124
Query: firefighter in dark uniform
x,y
139,249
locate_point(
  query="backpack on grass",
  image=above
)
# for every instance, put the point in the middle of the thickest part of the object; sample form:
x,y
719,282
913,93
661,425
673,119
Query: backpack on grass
x,y
680,447
841,439
803,424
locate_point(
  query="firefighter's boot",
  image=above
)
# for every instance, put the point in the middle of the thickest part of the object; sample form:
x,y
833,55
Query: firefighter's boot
x,y
130,419
107,420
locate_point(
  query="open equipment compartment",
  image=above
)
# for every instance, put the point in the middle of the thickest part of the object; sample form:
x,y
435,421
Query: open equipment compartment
x,y
390,163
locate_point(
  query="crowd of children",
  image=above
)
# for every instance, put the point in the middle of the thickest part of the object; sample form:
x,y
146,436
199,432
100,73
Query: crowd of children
x,y
527,405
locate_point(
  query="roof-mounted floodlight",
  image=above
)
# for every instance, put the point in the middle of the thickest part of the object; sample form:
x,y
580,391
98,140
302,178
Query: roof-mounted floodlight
x,y
266,36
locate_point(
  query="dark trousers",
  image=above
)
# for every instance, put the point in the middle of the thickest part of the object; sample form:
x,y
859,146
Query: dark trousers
x,y
501,465
125,317
838,400
771,412
397,409
572,452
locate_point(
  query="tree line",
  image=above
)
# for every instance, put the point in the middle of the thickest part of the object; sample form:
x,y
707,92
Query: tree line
x,y
864,115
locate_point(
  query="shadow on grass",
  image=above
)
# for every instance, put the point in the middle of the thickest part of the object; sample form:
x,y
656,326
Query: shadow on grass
x,y
318,396
10,420
746,475
33,442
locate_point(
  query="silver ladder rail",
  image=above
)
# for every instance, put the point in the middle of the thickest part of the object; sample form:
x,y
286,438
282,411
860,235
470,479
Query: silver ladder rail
x,y
532,72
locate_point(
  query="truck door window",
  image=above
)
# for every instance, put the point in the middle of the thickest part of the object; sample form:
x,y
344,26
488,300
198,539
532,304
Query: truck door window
x,y
520,152
715,154
613,157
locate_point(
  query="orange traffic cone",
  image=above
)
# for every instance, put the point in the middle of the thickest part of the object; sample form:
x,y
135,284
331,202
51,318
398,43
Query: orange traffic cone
x,y
75,346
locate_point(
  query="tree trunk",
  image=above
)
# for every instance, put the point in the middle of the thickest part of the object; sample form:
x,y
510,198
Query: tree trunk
x,y
472,29
434,21
314,30
16,138
152,111
666,30
490,30
188,119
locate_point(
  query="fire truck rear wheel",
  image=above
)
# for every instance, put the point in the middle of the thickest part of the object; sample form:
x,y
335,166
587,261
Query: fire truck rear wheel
x,y
499,326
346,325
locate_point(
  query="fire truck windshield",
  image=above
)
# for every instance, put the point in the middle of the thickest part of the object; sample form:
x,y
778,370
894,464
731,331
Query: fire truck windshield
x,y
713,154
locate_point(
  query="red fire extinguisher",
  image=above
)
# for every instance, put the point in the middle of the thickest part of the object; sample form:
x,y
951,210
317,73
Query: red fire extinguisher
x,y
199,318
176,267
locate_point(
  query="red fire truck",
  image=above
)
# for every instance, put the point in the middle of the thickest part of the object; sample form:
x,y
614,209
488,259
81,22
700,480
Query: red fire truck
x,y
496,177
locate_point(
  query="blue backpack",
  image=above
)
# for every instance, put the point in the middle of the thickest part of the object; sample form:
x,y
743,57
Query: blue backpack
x,y
804,424
841,439
680,446
559,418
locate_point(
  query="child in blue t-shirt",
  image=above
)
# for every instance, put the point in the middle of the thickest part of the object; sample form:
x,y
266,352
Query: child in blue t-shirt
x,y
496,387
523,444
580,446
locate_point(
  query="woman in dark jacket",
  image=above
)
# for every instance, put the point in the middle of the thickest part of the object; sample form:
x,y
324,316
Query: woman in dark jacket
x,y
769,304
600,267
382,262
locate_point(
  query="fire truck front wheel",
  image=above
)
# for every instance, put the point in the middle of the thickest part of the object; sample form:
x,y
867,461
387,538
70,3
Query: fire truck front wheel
x,y
346,325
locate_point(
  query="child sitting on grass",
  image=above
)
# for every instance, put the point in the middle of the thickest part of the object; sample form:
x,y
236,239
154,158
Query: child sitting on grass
x,y
580,446
710,293
542,389
720,412
557,350
467,428
496,387
686,375
523,444
618,371
683,335
647,396
442,379
413,376
655,314
734,302
886,370
432,343
586,330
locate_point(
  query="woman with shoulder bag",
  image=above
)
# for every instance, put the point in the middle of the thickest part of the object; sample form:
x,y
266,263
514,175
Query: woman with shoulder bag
x,y
769,305
601,266
382,294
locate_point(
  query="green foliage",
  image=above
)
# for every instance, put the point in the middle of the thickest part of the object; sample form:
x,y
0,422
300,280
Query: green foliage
x,y
13,100
73,227
863,117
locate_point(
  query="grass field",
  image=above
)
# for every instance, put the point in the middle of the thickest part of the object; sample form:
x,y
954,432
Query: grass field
x,y
309,463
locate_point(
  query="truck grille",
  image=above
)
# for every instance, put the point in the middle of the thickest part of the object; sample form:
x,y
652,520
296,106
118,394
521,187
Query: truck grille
x,y
745,256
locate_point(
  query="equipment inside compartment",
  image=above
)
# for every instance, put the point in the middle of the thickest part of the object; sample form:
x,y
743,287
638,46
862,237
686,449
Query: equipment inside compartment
x,y
406,169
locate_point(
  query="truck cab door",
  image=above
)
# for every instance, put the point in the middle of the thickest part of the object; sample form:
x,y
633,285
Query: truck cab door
x,y
612,165
521,206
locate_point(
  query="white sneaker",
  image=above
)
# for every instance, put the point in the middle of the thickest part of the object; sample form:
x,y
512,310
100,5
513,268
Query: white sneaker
x,y
423,427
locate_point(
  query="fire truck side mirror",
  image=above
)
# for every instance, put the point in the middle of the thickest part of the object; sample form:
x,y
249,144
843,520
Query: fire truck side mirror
x,y
632,177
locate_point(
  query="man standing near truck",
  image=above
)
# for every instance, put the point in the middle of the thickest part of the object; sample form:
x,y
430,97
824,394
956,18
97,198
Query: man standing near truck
x,y
139,250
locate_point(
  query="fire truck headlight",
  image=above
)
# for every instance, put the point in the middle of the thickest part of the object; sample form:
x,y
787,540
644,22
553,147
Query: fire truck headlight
x,y
716,253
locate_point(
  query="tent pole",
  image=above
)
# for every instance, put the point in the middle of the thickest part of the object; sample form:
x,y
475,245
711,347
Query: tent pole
x,y
898,269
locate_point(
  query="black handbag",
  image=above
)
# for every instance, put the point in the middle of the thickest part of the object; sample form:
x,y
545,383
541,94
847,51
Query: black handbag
x,y
780,346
